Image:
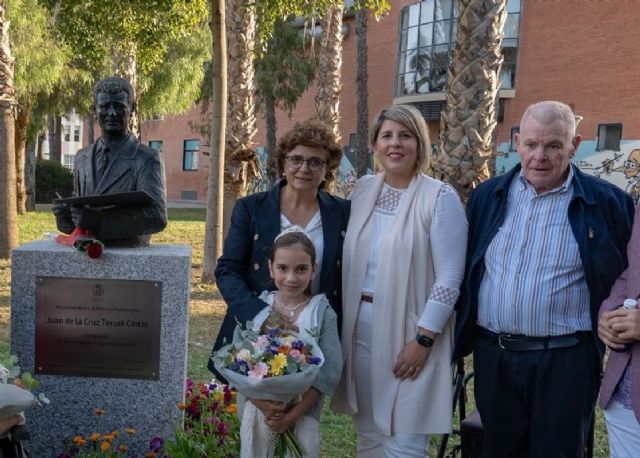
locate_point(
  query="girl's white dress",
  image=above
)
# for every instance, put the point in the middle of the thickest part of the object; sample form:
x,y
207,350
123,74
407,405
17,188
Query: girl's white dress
x,y
255,436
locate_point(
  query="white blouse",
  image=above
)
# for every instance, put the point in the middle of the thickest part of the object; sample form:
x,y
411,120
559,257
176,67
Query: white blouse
x,y
313,230
448,247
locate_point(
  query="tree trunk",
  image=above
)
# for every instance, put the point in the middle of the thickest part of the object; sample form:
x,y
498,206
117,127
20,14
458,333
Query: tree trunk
x,y
40,147
213,234
125,65
272,127
468,121
329,65
30,175
21,124
241,160
54,125
362,79
91,131
8,213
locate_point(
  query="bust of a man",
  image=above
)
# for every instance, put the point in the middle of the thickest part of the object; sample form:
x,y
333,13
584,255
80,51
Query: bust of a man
x,y
116,163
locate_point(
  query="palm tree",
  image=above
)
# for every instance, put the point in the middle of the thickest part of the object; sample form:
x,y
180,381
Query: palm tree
x,y
329,66
468,121
241,160
8,211
362,90
213,233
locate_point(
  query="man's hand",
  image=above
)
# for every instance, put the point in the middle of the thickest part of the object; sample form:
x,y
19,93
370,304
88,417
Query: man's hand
x,y
62,212
619,327
89,219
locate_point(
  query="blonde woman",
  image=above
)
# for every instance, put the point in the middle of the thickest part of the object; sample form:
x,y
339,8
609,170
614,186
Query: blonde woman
x,y
403,263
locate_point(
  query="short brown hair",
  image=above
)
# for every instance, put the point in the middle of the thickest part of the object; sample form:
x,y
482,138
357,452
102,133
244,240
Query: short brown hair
x,y
314,133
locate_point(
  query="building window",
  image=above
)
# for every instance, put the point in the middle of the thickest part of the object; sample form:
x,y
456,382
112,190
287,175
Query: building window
x,y
609,136
427,38
191,156
512,142
76,133
67,133
157,145
67,160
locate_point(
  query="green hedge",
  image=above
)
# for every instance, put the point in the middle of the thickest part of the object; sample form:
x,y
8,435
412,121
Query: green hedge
x,y
51,178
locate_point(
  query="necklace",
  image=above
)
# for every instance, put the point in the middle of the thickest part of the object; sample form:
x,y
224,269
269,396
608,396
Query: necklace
x,y
290,309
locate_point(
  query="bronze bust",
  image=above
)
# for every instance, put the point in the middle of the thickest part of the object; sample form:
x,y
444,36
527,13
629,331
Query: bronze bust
x,y
116,163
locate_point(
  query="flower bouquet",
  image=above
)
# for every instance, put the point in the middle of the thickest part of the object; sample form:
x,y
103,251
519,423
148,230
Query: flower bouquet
x,y
17,389
275,366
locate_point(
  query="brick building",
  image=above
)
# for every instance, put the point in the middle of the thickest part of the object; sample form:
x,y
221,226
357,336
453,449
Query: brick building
x,y
581,52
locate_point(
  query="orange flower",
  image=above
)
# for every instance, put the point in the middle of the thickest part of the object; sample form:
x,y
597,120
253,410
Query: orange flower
x,y
182,406
123,448
104,446
115,433
284,350
17,382
99,412
231,408
130,431
95,437
150,455
108,437
79,440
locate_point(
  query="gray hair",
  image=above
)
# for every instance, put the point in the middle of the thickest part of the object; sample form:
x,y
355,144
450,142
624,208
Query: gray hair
x,y
549,111
411,119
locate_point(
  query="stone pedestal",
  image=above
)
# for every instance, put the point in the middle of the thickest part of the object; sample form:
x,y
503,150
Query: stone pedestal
x,y
147,403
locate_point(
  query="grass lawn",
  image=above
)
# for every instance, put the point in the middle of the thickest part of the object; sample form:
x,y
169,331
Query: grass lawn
x,y
206,312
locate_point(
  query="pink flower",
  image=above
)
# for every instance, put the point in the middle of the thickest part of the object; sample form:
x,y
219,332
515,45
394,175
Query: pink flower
x,y
296,355
260,370
261,343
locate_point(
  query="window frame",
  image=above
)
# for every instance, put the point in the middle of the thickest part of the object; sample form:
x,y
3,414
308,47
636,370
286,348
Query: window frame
x,y
195,153
601,141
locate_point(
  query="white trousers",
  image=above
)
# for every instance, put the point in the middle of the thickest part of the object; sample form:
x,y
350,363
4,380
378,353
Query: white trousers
x,y
255,436
624,431
372,443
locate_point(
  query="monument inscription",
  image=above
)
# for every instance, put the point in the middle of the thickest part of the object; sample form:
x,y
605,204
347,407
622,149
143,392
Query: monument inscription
x,y
98,327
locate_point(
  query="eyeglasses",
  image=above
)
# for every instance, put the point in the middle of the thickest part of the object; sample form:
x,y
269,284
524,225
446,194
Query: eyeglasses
x,y
314,163
627,164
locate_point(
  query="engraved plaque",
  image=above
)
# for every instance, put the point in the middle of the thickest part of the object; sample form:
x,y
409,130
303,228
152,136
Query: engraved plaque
x,y
97,327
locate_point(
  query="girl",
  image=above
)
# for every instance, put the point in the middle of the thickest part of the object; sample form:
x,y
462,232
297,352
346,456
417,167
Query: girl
x,y
292,266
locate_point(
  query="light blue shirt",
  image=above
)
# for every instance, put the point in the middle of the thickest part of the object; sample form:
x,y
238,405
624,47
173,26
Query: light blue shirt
x,y
534,282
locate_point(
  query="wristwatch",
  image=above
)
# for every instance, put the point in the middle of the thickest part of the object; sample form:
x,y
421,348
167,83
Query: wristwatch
x,y
423,340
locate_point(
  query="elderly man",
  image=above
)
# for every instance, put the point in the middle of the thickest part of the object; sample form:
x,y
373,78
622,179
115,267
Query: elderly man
x,y
546,243
116,163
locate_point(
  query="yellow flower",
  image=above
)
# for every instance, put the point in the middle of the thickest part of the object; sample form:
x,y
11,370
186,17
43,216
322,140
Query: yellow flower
x,y
218,396
115,433
231,408
277,364
79,440
95,437
104,446
108,437
130,431
182,406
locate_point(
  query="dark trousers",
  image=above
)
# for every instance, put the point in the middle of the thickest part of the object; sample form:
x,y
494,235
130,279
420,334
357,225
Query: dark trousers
x,y
535,404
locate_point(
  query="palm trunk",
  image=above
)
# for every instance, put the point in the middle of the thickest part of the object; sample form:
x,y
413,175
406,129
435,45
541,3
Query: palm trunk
x,y
40,147
125,65
213,234
329,65
362,90
21,124
468,121
241,161
8,213
272,127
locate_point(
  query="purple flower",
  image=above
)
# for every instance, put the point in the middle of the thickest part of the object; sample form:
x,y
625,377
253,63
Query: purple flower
x,y
315,360
298,345
64,455
156,444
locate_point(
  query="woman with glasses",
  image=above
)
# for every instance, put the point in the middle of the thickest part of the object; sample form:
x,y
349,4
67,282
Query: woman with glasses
x,y
307,158
404,256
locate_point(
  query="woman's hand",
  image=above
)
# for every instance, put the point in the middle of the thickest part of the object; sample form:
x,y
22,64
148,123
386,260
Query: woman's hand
x,y
619,327
410,361
283,423
271,409
7,423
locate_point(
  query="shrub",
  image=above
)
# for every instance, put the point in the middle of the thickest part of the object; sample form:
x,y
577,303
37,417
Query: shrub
x,y
51,178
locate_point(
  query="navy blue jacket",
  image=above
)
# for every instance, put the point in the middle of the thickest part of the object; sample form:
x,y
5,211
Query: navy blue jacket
x,y
601,216
242,272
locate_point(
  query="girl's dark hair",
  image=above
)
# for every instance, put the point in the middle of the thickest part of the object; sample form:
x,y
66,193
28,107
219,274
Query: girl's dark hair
x,y
290,239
